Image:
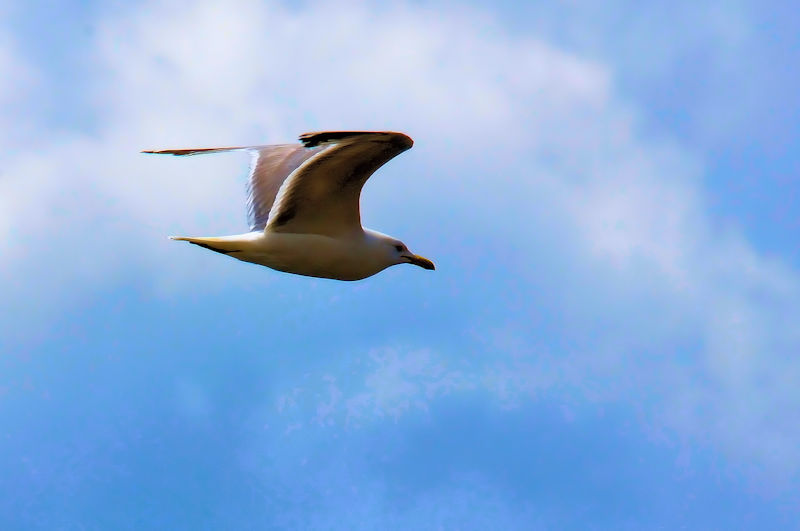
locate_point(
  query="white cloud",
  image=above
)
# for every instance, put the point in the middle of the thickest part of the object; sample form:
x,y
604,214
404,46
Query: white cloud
x,y
16,78
705,59
402,381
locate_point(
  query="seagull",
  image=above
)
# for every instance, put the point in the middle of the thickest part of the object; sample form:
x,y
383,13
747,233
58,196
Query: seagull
x,y
303,206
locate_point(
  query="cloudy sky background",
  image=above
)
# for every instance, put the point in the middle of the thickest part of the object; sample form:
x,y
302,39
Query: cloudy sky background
x,y
610,339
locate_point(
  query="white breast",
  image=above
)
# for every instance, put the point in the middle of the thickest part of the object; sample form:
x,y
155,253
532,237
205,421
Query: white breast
x,y
316,256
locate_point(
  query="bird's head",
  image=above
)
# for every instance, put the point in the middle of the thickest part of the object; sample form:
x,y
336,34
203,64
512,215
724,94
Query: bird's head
x,y
396,252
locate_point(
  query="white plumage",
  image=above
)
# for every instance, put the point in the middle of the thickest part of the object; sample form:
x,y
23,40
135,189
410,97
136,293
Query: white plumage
x,y
303,206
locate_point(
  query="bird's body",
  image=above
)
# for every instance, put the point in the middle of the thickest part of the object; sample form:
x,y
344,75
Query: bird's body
x,y
354,257
304,207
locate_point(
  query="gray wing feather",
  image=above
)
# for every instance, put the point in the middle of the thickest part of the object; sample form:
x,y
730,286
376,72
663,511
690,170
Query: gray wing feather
x,y
269,168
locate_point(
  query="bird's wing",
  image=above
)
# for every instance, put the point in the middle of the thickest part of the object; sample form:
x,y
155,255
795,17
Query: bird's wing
x,y
201,151
269,167
322,195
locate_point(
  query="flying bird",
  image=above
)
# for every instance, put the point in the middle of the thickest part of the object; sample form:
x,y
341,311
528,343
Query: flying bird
x,y
303,206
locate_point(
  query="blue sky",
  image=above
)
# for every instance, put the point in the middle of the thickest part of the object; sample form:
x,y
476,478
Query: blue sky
x,y
609,341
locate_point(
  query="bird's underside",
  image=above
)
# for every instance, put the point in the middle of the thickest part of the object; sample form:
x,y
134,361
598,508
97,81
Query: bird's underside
x,y
303,206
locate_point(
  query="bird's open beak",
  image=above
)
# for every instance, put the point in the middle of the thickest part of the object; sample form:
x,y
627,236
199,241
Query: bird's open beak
x,y
421,261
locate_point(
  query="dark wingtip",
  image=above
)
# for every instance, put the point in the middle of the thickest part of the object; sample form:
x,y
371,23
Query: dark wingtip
x,y
311,140
164,152
183,152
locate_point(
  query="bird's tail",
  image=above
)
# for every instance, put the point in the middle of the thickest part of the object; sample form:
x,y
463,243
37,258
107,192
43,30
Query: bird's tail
x,y
224,245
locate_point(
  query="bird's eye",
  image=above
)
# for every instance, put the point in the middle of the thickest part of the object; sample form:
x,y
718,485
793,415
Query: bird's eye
x,y
399,248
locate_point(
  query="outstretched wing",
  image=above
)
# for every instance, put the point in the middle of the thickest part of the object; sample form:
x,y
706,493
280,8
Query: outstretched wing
x,y
269,167
322,195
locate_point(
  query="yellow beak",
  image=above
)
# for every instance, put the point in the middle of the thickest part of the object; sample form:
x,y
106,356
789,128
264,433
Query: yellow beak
x,y
420,261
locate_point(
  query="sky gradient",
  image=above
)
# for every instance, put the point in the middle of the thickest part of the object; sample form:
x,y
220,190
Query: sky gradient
x,y
610,340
